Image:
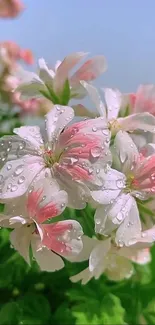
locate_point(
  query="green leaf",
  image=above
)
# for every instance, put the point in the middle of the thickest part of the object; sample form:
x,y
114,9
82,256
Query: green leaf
x,y
46,94
107,311
149,313
35,309
64,97
10,314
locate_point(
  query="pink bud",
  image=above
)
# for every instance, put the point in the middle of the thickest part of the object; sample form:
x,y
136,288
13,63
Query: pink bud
x,y
10,8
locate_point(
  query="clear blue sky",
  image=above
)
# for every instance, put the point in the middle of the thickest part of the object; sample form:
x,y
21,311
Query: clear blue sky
x,y
122,30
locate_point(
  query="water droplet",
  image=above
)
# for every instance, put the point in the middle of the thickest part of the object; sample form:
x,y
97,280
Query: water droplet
x,y
21,180
105,132
97,171
120,243
9,167
94,129
18,170
14,188
98,221
120,183
95,152
9,186
62,205
132,241
120,216
90,171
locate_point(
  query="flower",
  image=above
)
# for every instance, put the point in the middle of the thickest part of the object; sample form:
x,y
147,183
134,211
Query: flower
x,y
33,85
105,257
76,156
28,217
113,98
10,8
132,184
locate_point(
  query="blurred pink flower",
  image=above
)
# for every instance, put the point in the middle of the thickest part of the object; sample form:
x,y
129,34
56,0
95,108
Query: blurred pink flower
x,y
10,8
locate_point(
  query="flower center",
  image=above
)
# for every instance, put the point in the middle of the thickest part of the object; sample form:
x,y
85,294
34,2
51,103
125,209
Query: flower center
x,y
114,126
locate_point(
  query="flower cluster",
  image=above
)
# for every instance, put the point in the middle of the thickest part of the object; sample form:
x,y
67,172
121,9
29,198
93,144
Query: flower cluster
x,y
106,159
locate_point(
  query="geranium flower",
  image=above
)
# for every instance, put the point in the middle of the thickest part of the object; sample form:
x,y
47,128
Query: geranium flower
x,y
118,197
32,85
105,257
28,217
76,156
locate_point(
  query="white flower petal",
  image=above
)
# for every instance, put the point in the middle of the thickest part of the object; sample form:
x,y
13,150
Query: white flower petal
x,y
47,260
113,98
17,175
97,259
57,119
84,276
119,269
113,183
31,134
140,121
130,229
88,245
108,218
29,84
81,110
64,68
125,152
95,97
13,147
20,239
45,74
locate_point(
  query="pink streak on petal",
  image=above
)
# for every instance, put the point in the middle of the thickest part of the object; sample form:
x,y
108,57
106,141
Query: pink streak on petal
x,y
145,174
75,171
48,211
33,201
53,237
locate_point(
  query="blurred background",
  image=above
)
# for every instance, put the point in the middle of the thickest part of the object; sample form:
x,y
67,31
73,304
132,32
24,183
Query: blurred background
x,y
124,31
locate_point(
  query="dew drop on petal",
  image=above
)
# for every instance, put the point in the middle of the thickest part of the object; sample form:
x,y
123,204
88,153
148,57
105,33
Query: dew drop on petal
x,y
21,180
94,129
14,188
18,170
95,152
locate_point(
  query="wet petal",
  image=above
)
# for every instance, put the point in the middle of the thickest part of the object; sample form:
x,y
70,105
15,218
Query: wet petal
x,y
45,74
88,245
113,98
47,260
139,121
30,134
17,175
108,218
113,184
57,119
119,269
130,229
63,237
125,152
84,276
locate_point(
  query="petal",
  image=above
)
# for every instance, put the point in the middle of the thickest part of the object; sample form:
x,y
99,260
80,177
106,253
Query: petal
x,y
125,152
45,74
120,268
140,256
88,246
86,153
17,175
63,237
95,97
47,260
113,184
81,110
108,218
97,260
64,68
8,221
20,239
90,70
145,99
57,119
140,121
30,84
84,276
31,134
46,200
130,229
13,147
113,98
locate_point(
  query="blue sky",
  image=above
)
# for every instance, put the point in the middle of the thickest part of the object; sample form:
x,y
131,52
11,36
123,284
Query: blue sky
x,y
124,31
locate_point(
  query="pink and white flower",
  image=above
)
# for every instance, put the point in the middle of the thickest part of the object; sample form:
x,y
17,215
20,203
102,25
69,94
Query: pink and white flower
x,y
28,217
105,257
76,156
32,84
118,198
143,121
